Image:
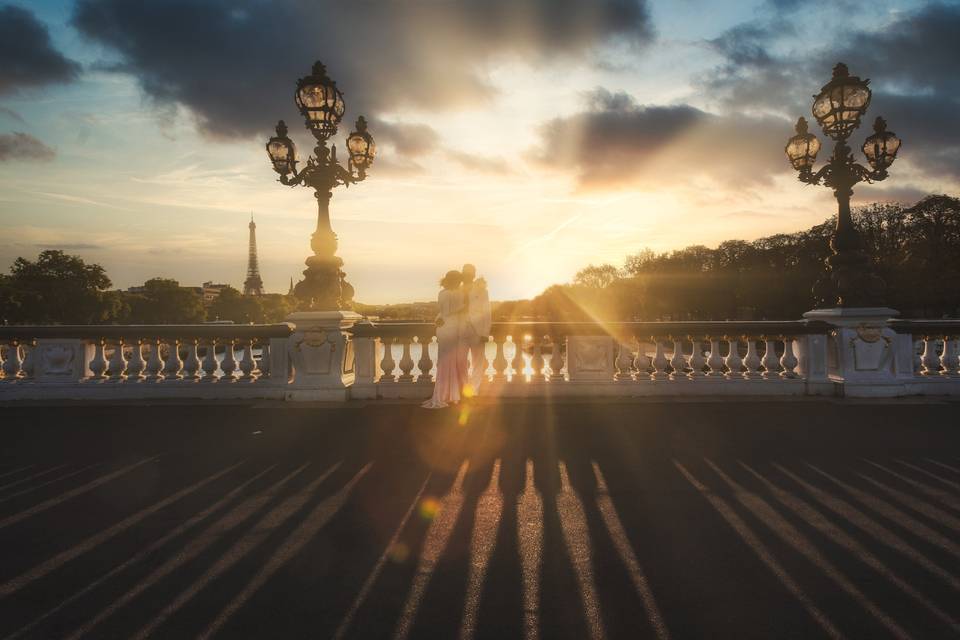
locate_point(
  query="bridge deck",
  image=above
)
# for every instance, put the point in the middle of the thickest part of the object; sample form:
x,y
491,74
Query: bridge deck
x,y
581,520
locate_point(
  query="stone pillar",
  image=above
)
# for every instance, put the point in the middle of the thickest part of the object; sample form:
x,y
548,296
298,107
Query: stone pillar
x,y
62,360
322,354
862,351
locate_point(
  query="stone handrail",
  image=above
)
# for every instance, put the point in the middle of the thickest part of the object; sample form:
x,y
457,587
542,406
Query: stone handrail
x,y
162,331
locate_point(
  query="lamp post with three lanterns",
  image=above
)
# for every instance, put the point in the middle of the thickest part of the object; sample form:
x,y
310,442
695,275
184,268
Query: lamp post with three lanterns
x,y
324,287
838,109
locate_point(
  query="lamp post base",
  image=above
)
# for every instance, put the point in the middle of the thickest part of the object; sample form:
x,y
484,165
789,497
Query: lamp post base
x,y
321,352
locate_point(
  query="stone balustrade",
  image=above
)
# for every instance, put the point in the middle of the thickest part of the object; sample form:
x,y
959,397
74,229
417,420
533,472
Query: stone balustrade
x,y
343,357
145,361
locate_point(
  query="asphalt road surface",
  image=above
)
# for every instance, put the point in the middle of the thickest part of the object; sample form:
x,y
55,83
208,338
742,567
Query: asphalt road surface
x,y
789,519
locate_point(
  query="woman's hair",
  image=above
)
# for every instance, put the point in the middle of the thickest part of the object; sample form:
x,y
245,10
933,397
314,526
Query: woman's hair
x,y
452,280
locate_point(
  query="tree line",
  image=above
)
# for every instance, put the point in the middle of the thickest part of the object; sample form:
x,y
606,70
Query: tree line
x,y
915,249
58,288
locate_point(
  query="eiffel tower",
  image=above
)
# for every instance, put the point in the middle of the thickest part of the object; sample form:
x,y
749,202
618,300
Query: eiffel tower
x,y
253,285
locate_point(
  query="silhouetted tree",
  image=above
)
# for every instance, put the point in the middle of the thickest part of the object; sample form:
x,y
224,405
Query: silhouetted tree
x,y
57,288
164,301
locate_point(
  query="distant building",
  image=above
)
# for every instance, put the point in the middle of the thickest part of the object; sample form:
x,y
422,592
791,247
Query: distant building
x,y
211,291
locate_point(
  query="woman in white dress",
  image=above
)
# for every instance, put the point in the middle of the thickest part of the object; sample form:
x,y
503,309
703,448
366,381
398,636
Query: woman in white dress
x,y
452,307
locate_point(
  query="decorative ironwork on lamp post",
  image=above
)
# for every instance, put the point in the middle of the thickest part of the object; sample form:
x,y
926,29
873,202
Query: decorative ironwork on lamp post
x,y
324,286
838,109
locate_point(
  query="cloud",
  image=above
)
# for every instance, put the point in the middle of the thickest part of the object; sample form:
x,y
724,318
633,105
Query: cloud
x,y
27,57
233,63
10,113
911,60
479,163
23,146
617,142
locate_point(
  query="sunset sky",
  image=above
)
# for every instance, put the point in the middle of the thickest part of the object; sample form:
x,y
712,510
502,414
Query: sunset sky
x,y
530,137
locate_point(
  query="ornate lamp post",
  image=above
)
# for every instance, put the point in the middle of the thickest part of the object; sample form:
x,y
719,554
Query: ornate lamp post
x,y
838,109
324,286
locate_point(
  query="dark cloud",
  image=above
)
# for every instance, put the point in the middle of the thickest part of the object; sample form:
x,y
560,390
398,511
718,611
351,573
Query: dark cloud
x,y
27,57
616,141
911,60
10,113
407,139
233,62
23,146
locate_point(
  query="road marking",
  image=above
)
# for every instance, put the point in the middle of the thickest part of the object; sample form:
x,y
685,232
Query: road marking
x,y
438,535
890,512
573,523
747,535
33,477
15,584
157,544
250,541
482,543
49,482
927,490
611,519
195,547
813,517
530,548
789,534
378,567
867,524
316,520
73,493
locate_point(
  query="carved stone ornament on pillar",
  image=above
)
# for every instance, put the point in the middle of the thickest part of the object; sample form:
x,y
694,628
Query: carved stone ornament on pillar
x,y
321,351
62,360
590,358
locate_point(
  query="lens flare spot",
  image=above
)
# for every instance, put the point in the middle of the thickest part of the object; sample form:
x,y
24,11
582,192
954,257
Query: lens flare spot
x,y
398,553
464,416
429,507
469,391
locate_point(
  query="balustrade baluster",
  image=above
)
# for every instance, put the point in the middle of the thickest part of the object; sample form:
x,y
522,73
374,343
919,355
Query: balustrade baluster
x,y
117,363
733,360
248,364
623,362
263,366
425,364
950,360
98,364
406,362
191,366
537,363
929,359
788,361
229,364
12,364
697,361
517,364
678,361
556,358
751,361
387,363
136,364
484,363
210,364
660,361
29,355
715,361
154,367
500,361
641,362
173,364
917,359
769,361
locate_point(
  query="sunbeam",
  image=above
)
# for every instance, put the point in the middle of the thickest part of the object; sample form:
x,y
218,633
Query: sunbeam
x,y
482,543
438,535
789,534
872,527
573,523
530,548
622,544
47,483
236,516
932,492
761,551
316,520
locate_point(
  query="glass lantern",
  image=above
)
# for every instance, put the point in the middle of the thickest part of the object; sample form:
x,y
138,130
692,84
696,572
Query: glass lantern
x,y
881,148
841,103
361,147
802,148
282,151
320,102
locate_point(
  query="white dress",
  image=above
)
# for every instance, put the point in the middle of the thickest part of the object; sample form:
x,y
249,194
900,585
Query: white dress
x,y
447,386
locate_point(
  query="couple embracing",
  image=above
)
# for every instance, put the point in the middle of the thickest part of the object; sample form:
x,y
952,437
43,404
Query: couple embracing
x,y
463,325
